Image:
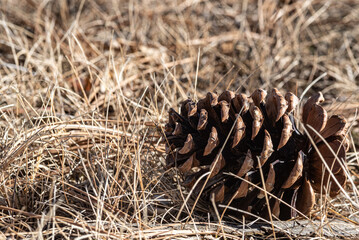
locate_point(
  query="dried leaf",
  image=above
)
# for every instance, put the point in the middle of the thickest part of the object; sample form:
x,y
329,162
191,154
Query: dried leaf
x,y
80,85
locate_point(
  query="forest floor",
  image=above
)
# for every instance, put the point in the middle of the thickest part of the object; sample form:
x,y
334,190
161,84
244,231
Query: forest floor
x,y
85,87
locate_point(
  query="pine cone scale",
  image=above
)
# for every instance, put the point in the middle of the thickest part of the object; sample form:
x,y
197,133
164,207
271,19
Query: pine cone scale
x,y
295,173
286,132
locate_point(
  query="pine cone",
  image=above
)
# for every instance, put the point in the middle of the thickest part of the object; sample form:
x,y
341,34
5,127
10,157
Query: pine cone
x,y
252,150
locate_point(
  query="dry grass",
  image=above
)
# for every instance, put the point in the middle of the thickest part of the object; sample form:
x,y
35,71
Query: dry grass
x,y
87,159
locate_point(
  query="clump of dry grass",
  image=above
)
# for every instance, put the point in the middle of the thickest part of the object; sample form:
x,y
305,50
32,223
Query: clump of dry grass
x,y
85,87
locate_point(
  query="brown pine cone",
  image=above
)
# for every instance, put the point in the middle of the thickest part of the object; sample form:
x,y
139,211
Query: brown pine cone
x,y
247,145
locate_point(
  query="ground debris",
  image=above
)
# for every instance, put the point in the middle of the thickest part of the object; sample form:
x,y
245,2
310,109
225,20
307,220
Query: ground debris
x,y
293,229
